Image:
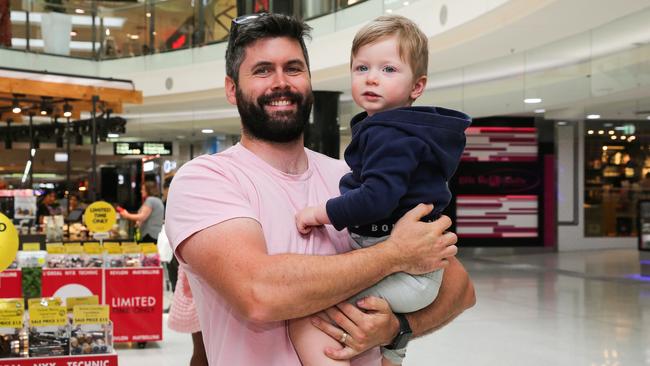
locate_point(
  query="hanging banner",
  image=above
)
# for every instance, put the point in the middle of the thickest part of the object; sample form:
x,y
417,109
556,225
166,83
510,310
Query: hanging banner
x,y
136,309
64,283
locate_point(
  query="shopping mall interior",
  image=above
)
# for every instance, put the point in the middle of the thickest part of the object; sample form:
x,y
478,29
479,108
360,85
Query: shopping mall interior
x,y
102,100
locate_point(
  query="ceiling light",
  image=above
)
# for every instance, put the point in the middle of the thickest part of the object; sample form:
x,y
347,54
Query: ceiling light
x,y
207,130
590,132
73,34
389,11
113,135
601,132
611,132
82,189
562,123
593,116
79,11
540,110
67,110
406,3
148,15
614,137
108,32
604,148
532,100
134,36
15,106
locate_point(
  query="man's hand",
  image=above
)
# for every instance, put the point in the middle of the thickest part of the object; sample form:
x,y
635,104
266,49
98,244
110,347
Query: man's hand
x,y
372,324
422,247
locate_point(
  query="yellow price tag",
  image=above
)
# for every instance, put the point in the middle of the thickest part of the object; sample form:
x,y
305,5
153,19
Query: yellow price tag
x,y
48,316
100,217
71,302
90,314
8,242
31,247
55,248
92,248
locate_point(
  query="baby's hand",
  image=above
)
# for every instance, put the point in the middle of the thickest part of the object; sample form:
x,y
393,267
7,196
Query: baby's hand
x,y
306,219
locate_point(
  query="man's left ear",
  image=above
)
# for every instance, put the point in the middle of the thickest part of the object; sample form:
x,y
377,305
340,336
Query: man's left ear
x,y
418,87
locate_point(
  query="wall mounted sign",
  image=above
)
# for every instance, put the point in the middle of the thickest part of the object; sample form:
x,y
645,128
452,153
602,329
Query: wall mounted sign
x,y
142,148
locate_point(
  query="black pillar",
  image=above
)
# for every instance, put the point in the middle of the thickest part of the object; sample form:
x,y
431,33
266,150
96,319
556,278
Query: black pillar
x,y
322,132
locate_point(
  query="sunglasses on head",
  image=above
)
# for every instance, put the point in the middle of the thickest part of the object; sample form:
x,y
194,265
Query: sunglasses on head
x,y
244,19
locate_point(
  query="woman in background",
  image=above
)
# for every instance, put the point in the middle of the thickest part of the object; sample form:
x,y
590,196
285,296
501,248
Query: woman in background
x,y
151,214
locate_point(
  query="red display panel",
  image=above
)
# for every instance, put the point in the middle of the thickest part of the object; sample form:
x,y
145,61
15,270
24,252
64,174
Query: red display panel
x,y
66,283
97,360
11,284
135,298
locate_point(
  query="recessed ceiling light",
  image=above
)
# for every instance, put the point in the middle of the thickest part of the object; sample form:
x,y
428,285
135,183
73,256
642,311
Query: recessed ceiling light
x,y
540,110
207,130
611,132
73,34
613,137
148,15
593,116
601,132
532,100
604,148
112,135
562,123
79,11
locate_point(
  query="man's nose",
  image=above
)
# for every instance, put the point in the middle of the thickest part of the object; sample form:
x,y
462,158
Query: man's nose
x,y
280,80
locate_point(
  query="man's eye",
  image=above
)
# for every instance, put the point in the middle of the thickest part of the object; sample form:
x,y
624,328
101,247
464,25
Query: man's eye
x,y
261,71
389,69
294,70
361,68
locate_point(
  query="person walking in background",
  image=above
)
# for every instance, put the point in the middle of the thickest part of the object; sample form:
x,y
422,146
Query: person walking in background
x,y
151,214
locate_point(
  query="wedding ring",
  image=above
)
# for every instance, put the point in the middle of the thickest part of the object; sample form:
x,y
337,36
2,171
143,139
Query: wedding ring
x,y
344,337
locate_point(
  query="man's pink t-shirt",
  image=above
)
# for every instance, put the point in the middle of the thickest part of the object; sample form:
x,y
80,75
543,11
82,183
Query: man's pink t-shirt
x,y
236,183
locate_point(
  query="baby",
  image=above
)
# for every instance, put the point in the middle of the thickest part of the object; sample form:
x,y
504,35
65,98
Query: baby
x,y
399,156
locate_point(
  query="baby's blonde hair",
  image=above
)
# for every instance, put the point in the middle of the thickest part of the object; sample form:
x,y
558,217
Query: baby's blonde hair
x,y
413,44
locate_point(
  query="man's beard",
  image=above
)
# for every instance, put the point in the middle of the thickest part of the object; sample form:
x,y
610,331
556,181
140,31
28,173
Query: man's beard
x,y
280,126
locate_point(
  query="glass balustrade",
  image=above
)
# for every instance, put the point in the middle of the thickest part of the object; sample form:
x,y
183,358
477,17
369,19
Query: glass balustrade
x,y
103,30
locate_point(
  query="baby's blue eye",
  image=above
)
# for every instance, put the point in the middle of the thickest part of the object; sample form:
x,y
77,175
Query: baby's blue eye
x,y
389,69
362,68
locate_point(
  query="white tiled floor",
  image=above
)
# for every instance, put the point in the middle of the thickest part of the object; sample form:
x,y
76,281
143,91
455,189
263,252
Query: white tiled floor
x,y
570,309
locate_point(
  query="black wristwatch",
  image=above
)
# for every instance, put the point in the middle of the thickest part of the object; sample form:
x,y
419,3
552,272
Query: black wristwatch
x,y
403,336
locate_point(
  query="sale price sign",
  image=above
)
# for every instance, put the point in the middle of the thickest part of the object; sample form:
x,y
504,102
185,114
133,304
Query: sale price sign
x,y
136,309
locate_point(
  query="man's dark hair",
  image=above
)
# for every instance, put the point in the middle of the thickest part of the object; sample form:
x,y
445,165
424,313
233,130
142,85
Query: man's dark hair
x,y
260,26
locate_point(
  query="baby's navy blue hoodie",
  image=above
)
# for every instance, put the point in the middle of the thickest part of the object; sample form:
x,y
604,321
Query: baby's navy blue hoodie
x,y
399,158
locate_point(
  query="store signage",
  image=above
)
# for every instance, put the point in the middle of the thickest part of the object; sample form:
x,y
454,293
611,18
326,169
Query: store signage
x,y
11,284
136,309
98,360
64,283
484,179
142,148
8,242
100,217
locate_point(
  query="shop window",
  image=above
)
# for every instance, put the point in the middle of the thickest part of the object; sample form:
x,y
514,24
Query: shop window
x,y
617,176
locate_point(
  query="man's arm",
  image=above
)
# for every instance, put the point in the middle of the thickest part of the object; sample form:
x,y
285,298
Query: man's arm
x,y
231,257
376,325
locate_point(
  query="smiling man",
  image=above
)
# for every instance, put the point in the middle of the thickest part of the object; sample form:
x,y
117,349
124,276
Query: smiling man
x,y
230,220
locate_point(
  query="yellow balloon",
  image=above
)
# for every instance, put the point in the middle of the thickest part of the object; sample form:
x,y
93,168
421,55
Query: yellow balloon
x,y
8,242
100,217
